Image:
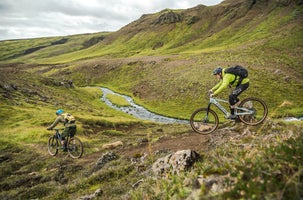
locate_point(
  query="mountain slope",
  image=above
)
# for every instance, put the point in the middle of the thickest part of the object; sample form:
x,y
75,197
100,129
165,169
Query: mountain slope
x,y
165,58
164,61
227,25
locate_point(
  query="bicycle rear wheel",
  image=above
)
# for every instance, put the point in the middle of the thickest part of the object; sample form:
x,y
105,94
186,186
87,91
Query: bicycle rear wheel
x,y
258,107
75,147
204,121
53,145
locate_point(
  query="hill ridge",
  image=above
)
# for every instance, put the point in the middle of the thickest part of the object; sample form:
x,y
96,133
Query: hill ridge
x,y
212,19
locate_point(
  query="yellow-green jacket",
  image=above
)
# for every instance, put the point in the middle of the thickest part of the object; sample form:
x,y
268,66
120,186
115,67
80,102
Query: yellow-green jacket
x,y
227,79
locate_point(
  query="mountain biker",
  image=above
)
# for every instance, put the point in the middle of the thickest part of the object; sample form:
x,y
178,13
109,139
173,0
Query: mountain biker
x,y
228,79
70,126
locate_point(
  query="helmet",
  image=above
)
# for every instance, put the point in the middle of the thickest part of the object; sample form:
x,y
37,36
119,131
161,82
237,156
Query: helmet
x,y
59,112
218,70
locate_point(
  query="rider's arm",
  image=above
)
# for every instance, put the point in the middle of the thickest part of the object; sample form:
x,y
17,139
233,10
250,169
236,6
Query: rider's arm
x,y
58,119
216,86
227,78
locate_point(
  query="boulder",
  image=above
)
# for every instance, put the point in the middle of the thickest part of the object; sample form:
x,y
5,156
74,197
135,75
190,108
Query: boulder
x,y
169,18
106,158
175,162
112,145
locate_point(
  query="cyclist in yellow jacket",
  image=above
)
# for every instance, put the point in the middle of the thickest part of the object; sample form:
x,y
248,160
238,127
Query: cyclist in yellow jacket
x,y
225,80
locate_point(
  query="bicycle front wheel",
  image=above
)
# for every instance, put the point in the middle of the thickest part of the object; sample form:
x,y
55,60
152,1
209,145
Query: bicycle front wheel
x,y
75,147
259,111
53,145
204,121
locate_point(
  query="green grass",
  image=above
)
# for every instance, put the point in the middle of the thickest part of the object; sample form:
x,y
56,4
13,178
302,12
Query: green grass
x,y
15,50
117,100
171,80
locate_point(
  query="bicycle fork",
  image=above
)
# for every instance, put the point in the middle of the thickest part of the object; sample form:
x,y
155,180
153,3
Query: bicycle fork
x,y
205,120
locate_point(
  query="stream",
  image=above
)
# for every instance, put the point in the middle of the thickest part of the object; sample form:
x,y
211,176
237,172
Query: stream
x,y
137,110
291,119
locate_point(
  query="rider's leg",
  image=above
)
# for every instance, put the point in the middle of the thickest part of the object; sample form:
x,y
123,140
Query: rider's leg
x,y
68,131
72,130
64,134
233,97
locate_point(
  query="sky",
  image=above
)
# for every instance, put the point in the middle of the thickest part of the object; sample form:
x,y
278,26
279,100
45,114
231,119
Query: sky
x,y
44,18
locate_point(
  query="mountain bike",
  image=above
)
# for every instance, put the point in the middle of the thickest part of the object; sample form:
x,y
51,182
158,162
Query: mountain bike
x,y
73,145
250,111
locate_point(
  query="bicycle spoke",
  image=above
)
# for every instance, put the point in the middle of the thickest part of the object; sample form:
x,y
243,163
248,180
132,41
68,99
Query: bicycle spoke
x,y
204,121
75,147
257,111
53,146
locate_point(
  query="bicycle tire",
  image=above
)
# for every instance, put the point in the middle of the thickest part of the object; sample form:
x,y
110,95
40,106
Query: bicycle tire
x,y
200,124
53,146
75,147
260,111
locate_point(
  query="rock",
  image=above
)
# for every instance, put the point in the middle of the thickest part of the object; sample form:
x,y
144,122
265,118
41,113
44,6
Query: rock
x,y
175,163
97,193
192,20
9,87
106,158
112,145
169,18
213,183
142,141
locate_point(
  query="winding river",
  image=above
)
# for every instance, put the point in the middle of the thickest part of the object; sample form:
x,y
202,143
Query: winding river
x,y
137,110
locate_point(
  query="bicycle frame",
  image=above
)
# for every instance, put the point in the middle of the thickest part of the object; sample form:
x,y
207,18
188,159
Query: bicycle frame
x,y
58,135
250,111
216,102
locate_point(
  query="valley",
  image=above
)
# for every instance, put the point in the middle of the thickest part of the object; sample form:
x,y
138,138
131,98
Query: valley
x,y
161,62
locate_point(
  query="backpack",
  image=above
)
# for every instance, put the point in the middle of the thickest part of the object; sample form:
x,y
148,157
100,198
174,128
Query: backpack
x,y
238,71
69,118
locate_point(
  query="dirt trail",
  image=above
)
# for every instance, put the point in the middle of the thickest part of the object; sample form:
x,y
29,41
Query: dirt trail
x,y
190,140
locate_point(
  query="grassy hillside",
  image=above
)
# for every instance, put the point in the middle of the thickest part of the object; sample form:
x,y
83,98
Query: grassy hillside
x,y
32,49
164,61
265,37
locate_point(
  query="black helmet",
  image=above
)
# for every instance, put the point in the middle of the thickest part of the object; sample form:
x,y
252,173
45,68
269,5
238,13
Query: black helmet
x,y
218,70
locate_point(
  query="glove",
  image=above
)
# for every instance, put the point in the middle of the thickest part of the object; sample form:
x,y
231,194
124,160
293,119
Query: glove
x,y
211,93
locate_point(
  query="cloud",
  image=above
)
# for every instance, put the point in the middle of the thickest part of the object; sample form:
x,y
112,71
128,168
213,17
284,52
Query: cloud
x,y
34,18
